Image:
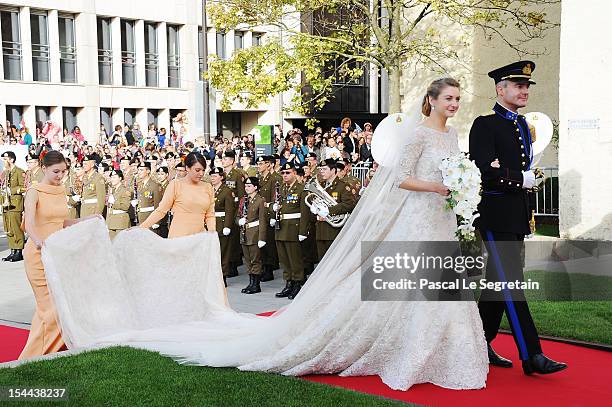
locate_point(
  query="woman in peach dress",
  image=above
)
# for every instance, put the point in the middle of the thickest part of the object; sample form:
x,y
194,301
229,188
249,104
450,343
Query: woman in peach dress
x,y
46,212
191,201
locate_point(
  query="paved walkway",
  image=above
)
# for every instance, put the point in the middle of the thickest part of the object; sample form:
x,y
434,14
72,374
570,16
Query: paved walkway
x,y
17,301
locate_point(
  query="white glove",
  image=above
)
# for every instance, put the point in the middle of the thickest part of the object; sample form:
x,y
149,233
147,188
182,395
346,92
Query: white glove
x,y
275,207
528,179
76,198
272,222
241,221
301,238
111,199
226,231
314,209
261,243
323,212
134,202
155,226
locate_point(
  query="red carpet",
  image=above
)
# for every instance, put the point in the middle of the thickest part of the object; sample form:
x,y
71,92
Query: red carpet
x,y
586,382
12,341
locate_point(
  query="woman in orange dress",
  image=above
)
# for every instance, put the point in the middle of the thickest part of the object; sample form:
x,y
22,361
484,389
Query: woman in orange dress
x,y
191,201
46,212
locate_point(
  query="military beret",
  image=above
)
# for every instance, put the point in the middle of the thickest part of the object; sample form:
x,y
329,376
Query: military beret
x,y
247,154
261,159
300,171
89,157
163,169
288,166
145,164
170,155
230,154
341,165
252,181
312,155
9,154
517,72
32,156
181,164
119,173
330,162
217,170
78,164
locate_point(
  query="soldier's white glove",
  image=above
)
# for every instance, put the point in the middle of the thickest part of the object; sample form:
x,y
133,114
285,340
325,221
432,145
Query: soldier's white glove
x,y
261,243
275,207
226,231
272,222
111,199
76,198
323,212
242,222
134,202
528,179
301,238
314,209
155,226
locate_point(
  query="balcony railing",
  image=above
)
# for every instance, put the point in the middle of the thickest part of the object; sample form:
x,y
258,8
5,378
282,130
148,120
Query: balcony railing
x,y
105,66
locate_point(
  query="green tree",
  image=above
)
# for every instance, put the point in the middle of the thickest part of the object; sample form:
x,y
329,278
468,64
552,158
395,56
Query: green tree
x,y
317,44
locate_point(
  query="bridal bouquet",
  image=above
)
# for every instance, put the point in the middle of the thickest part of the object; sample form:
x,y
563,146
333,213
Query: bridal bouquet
x,y
461,176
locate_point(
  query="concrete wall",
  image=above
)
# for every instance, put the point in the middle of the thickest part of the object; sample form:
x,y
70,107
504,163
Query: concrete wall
x,y
585,151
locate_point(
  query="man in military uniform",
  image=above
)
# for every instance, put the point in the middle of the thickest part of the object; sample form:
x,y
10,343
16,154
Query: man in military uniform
x,y
163,181
149,194
93,199
12,205
235,181
72,182
311,159
501,146
180,170
224,214
34,173
345,203
292,214
245,164
117,218
251,218
344,173
268,182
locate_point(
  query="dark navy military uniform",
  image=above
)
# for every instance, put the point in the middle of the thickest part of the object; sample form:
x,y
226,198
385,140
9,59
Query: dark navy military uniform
x,y
504,213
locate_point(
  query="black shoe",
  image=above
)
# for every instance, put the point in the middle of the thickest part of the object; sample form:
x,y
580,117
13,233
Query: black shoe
x,y
233,270
297,286
255,288
496,360
268,274
542,365
10,256
285,291
248,287
18,256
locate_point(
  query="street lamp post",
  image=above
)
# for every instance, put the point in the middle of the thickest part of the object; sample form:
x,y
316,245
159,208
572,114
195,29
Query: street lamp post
x,y
205,96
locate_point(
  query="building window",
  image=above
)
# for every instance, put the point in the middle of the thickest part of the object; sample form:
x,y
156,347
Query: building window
x,y
67,46
43,114
40,46
105,53
14,114
238,40
201,52
106,118
128,53
174,61
11,44
152,115
151,55
221,53
69,115
257,37
129,116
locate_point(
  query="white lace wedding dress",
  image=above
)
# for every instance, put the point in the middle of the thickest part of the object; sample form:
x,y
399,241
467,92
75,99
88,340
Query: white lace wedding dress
x,y
167,295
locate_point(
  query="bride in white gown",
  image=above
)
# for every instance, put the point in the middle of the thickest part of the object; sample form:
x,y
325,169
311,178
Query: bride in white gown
x,y
146,292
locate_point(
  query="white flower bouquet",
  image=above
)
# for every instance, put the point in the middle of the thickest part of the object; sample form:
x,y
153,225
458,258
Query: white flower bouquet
x,y
461,176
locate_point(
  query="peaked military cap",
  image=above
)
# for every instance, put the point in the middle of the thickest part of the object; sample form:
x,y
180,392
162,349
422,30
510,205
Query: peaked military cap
x,y
517,72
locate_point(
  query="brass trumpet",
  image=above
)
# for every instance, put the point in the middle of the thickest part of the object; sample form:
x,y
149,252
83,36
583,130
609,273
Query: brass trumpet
x,y
318,196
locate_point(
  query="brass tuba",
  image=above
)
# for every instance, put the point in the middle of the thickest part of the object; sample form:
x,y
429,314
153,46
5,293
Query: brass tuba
x,y
318,196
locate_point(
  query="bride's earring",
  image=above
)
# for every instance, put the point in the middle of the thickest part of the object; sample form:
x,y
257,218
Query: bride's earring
x,y
433,107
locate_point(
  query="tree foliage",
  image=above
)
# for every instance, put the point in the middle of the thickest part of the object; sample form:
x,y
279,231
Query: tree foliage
x,y
314,45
